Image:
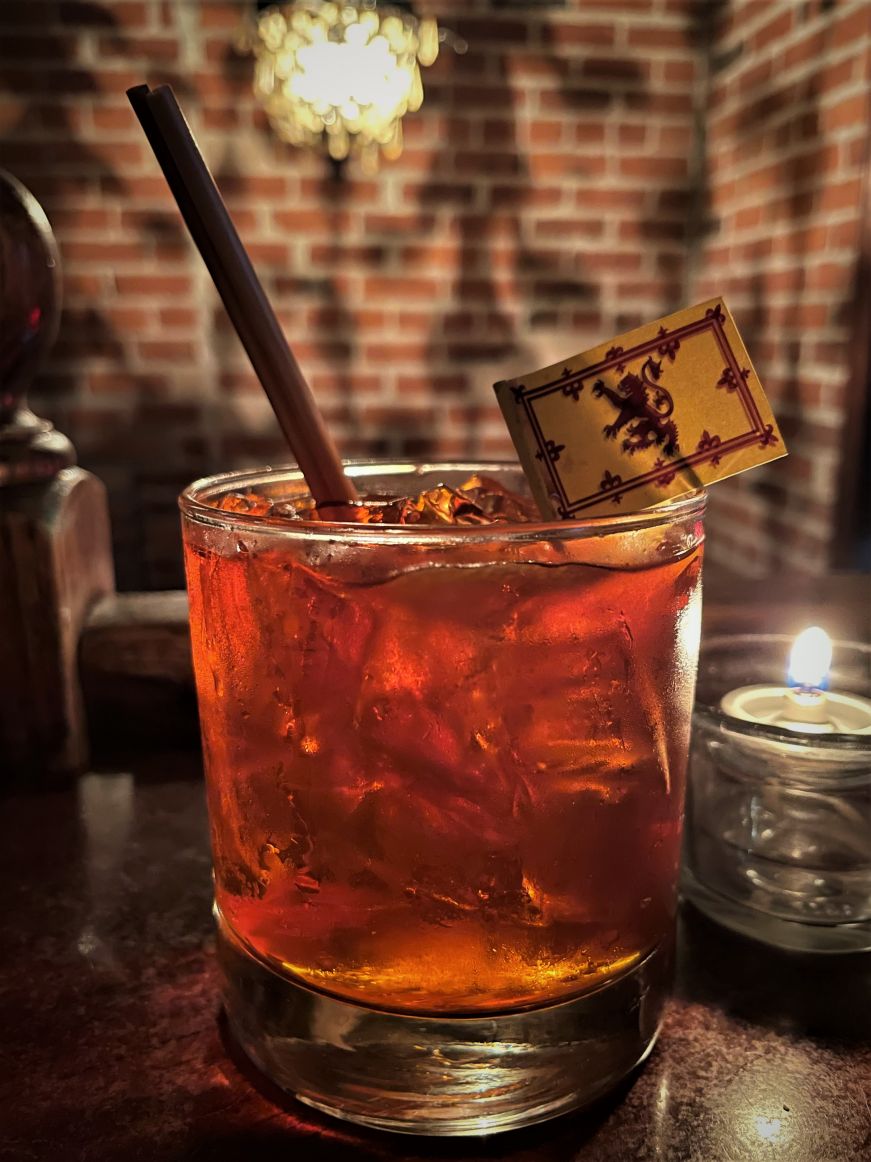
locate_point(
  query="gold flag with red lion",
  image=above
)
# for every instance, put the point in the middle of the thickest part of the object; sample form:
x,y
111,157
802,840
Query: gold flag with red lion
x,y
665,409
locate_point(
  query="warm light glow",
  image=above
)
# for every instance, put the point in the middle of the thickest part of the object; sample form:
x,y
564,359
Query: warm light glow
x,y
810,659
341,74
768,1129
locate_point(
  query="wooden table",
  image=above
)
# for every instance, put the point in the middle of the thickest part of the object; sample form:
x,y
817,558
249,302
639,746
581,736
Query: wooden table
x,y
115,1051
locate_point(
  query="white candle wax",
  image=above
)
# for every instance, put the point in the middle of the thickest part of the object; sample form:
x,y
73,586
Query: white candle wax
x,y
828,713
803,708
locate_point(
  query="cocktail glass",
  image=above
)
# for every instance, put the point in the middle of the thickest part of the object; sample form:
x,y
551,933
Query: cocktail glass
x,y
445,773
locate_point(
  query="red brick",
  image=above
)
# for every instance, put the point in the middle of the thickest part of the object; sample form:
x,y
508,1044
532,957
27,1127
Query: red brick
x,y
615,261
101,253
387,353
589,133
611,200
426,384
654,168
501,134
568,165
807,314
779,281
268,253
541,197
749,216
545,132
476,165
404,288
220,118
759,73
219,49
390,223
146,284
304,222
148,190
775,29
680,72
77,285
178,318
253,186
414,321
851,111
647,36
327,254
85,218
92,14
493,29
842,234
584,97
581,35
530,68
834,75
632,135
854,153
659,104
353,382
570,228
617,71
753,251
166,350
238,382
829,276
120,117
121,383
807,48
853,29
841,196
474,99
676,139
140,48
223,16
131,319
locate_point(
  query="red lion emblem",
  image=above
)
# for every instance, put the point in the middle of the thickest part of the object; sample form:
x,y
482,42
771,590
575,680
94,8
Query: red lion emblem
x,y
644,410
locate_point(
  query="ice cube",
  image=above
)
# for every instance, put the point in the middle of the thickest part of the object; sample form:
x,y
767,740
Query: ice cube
x,y
498,503
247,503
479,501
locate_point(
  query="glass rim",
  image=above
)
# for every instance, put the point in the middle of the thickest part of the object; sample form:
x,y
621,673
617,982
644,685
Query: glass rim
x,y
198,510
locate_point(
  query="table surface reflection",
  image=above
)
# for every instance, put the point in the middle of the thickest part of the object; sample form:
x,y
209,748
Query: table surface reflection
x,y
116,1051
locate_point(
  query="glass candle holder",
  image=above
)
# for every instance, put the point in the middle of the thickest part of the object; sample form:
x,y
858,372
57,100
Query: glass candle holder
x,y
778,829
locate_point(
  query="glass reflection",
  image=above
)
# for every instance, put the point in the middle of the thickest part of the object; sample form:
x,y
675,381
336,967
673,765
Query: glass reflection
x,y
106,813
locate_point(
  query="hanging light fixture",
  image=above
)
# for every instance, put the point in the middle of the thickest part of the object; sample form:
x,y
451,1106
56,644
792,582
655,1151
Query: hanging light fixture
x,y
343,74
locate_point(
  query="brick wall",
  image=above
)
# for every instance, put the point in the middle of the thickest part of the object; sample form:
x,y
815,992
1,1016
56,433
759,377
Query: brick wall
x,y
551,194
787,132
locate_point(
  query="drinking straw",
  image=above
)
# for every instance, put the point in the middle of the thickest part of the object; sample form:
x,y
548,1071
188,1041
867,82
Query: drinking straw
x,y
250,312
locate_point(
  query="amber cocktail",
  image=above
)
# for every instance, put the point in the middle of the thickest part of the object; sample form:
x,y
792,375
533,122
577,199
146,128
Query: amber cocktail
x,y
445,771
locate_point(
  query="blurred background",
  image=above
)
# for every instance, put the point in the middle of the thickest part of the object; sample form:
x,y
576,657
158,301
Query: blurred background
x,y
583,167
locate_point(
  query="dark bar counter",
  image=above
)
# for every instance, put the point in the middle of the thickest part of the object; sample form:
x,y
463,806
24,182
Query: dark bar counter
x,y
115,1050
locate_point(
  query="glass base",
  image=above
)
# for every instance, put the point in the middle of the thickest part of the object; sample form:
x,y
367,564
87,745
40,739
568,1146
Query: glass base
x,y
441,1075
759,925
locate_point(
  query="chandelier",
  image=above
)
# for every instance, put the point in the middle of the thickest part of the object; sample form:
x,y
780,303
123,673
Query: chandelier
x,y
343,74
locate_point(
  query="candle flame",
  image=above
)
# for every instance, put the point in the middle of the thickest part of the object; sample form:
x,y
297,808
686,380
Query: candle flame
x,y
810,659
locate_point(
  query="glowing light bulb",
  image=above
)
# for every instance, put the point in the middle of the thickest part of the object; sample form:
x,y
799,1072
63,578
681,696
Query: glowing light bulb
x,y
768,1129
343,75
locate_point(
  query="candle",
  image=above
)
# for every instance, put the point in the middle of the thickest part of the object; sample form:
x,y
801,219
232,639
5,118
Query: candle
x,y
804,706
779,795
